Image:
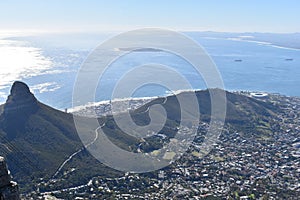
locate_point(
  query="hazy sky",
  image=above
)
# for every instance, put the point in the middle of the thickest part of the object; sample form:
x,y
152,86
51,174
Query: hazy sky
x,y
214,15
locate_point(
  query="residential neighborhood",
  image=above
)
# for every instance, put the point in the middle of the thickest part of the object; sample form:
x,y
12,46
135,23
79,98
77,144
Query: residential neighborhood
x,y
241,165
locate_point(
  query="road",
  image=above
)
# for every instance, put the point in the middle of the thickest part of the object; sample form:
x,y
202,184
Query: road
x,y
87,145
77,152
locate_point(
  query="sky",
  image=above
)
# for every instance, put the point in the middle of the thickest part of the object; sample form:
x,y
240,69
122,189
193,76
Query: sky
x,y
183,15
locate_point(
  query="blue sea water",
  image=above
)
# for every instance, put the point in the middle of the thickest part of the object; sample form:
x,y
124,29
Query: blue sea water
x,y
243,65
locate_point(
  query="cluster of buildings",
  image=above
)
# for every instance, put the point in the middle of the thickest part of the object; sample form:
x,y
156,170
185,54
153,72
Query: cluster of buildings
x,y
104,108
241,165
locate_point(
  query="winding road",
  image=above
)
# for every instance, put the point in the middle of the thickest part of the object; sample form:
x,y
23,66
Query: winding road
x,y
87,145
77,152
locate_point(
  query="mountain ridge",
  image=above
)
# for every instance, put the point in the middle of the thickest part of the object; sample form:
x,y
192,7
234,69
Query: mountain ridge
x,y
44,138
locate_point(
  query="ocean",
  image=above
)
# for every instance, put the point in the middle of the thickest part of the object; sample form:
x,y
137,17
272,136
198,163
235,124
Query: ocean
x,y
49,64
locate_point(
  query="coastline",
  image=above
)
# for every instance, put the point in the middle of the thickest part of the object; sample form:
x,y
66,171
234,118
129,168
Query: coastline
x,y
103,108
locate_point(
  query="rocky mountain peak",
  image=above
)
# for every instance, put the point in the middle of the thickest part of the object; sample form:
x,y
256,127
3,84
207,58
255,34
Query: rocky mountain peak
x,y
20,99
19,106
19,89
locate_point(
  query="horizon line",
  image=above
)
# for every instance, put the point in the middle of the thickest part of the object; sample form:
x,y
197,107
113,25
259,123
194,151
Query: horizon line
x,y
25,32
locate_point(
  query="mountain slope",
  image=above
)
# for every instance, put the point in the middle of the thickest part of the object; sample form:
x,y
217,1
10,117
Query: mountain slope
x,y
36,139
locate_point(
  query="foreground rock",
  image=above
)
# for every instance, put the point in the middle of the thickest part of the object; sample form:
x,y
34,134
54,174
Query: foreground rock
x,y
8,189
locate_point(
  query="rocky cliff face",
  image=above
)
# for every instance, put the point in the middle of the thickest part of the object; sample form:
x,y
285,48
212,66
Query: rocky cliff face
x,y
20,100
20,104
8,189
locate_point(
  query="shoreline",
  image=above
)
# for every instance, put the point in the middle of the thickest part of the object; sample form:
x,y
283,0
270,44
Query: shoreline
x,y
103,108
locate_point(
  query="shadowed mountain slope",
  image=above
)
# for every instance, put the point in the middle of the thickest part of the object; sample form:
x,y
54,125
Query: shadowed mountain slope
x,y
36,139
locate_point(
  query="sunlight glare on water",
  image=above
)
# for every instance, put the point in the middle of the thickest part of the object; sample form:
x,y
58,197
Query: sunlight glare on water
x,y
18,60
